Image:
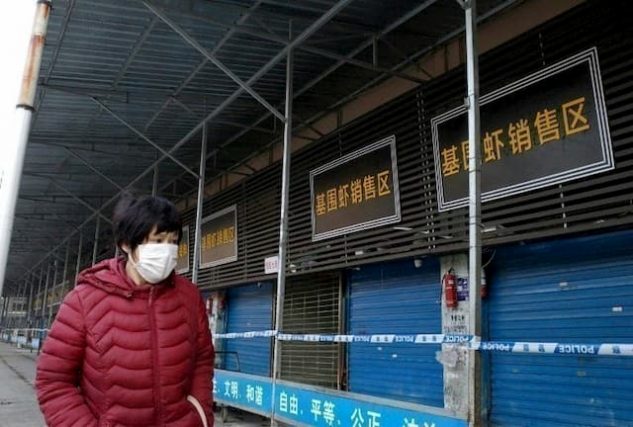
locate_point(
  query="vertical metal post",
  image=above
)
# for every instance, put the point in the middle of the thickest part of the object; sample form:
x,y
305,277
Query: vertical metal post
x,y
45,294
50,305
474,211
155,182
39,288
7,312
66,261
95,245
201,180
22,298
79,249
14,149
374,50
30,305
283,226
4,311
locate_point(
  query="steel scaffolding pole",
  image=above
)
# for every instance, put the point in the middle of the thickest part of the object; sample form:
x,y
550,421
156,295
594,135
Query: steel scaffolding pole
x,y
155,182
66,261
30,302
78,265
95,245
39,288
474,211
50,305
201,181
45,294
283,227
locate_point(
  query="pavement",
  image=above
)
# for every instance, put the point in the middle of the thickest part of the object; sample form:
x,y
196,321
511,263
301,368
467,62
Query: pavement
x,y
18,404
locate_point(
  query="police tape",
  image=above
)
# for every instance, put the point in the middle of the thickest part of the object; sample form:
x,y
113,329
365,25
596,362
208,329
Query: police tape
x,y
469,341
255,334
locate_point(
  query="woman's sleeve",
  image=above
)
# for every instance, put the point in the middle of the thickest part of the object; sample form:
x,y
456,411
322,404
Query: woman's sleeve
x,y
59,366
201,386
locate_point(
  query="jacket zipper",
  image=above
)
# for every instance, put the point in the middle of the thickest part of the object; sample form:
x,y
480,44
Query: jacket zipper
x,y
154,338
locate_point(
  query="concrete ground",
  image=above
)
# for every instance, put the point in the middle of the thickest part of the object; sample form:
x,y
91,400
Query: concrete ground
x,y
18,405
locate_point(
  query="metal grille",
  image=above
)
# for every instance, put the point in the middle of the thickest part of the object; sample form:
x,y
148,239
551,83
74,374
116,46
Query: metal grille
x,y
311,306
594,203
566,291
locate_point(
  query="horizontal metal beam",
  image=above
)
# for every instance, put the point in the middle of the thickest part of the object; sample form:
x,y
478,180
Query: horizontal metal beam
x,y
202,64
270,36
92,168
222,122
308,32
71,194
144,137
215,61
505,5
362,64
362,46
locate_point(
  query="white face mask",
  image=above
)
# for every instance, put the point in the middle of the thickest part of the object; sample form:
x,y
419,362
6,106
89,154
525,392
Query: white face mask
x,y
156,261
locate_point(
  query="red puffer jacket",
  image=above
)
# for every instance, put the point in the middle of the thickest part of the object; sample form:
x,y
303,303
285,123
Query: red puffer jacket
x,y
125,355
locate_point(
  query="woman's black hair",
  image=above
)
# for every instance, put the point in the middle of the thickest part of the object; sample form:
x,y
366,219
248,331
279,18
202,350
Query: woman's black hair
x,y
135,218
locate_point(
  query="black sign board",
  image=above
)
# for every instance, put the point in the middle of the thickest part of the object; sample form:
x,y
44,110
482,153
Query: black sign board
x,y
547,128
356,192
219,238
182,266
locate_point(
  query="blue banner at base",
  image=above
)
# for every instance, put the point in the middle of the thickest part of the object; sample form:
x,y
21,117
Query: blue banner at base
x,y
304,405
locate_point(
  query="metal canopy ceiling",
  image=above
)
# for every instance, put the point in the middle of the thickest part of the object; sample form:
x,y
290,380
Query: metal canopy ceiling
x,y
119,82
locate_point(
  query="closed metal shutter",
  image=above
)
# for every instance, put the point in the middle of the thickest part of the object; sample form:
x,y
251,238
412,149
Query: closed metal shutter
x,y
396,298
572,291
311,306
250,308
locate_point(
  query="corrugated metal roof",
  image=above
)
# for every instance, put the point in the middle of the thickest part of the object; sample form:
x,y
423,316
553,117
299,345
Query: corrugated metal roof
x,y
122,54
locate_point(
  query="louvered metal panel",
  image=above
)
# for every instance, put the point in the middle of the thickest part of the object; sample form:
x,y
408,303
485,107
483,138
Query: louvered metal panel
x,y
395,298
311,306
594,203
570,291
250,308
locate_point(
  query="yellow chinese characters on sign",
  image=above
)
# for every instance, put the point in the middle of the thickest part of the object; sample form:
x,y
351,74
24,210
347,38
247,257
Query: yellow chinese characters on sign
x,y
356,192
522,136
217,238
546,124
182,250
493,145
450,161
573,117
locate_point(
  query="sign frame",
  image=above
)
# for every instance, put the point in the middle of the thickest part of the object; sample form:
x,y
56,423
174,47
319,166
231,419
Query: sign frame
x,y
393,219
608,163
225,260
185,270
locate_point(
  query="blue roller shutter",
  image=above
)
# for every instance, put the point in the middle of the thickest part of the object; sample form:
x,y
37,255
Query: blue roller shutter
x,y
572,291
396,298
250,308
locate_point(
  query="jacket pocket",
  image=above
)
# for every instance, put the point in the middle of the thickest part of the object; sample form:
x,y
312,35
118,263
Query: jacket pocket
x,y
196,404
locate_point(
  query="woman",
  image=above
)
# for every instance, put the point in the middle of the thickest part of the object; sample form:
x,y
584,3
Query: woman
x,y
131,345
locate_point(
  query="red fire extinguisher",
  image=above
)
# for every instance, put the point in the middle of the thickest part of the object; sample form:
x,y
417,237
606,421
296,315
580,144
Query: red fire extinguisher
x,y
449,284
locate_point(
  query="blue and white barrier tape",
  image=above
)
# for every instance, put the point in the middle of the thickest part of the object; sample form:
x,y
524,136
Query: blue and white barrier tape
x,y
255,334
605,349
556,348
381,339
